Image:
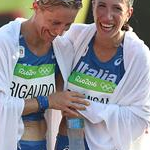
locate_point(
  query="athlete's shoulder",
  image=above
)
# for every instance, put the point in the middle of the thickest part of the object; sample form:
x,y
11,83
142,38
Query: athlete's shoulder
x,y
81,26
11,31
135,47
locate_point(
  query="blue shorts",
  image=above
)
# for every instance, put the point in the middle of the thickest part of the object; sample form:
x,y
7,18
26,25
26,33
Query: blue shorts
x,y
62,143
32,145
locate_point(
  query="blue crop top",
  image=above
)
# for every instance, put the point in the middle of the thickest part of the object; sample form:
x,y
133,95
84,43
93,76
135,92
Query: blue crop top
x,y
27,58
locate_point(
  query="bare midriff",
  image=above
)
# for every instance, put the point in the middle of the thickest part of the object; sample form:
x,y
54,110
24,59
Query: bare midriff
x,y
34,130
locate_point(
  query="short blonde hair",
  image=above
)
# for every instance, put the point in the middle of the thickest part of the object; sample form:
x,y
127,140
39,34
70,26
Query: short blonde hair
x,y
75,4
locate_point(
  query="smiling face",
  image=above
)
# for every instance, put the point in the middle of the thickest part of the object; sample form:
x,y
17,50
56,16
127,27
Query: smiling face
x,y
53,21
110,16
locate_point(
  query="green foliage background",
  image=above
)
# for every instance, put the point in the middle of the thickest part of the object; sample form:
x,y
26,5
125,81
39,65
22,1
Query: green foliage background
x,y
24,7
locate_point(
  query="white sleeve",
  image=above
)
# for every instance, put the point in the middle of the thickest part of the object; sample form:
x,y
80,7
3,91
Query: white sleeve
x,y
11,126
126,119
122,124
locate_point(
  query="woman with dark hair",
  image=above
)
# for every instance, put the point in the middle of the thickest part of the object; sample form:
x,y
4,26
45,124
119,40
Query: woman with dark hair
x,y
112,68
31,63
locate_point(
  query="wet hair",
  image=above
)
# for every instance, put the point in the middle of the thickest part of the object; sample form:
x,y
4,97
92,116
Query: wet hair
x,y
126,26
129,2
75,4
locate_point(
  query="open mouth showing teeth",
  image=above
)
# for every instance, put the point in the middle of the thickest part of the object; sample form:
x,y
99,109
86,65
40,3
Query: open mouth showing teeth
x,y
107,26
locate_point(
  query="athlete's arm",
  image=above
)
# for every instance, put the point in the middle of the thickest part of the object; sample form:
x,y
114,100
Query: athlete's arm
x,y
66,101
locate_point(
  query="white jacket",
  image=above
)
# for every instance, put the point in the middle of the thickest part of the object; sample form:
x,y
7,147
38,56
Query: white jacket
x,y
128,117
11,125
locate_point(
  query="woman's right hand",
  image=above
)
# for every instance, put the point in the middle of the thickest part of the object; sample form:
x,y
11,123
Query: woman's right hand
x,y
68,102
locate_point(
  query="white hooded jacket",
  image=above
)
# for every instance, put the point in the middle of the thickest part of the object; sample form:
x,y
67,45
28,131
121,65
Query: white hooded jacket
x,y
11,108
125,120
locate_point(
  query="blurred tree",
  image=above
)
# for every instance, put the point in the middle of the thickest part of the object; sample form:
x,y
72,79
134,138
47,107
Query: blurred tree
x,y
10,9
82,15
